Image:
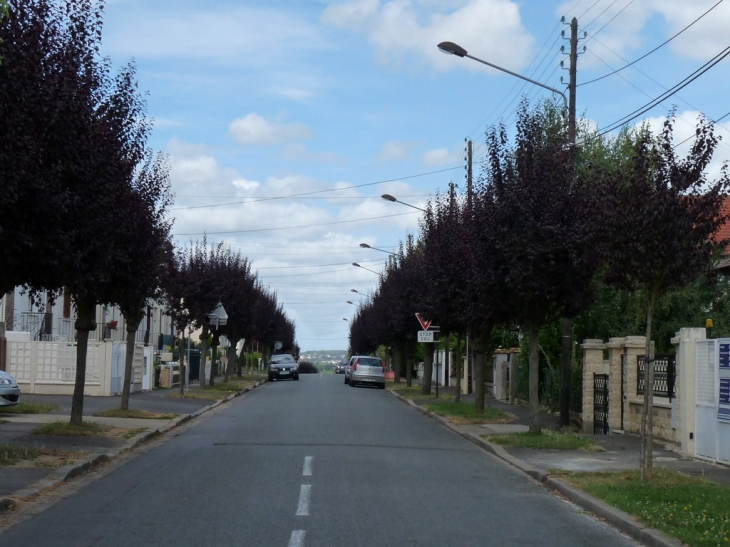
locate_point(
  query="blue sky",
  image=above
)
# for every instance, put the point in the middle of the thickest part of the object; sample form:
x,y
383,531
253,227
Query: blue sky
x,y
286,120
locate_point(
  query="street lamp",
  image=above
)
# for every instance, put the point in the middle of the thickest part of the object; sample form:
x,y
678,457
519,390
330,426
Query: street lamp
x,y
454,49
388,197
366,246
569,113
364,268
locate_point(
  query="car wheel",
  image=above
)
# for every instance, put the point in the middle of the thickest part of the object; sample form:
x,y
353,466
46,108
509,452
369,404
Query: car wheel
x,y
352,382
296,377
381,386
346,380
271,378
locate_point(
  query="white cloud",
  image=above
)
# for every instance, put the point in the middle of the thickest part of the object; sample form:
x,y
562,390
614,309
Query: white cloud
x,y
298,151
684,132
253,129
246,185
252,36
400,27
395,151
442,156
704,39
619,27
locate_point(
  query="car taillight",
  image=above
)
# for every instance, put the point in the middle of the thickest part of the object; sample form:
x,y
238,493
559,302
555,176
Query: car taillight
x,y
354,365
383,363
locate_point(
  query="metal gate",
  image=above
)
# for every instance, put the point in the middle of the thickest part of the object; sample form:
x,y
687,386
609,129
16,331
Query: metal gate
x,y
600,404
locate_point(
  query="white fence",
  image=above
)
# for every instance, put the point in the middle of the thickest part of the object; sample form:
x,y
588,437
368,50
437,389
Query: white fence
x,y
50,367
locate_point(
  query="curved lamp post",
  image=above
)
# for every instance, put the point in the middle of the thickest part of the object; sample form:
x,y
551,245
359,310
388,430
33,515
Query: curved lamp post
x,y
366,246
364,268
388,197
455,49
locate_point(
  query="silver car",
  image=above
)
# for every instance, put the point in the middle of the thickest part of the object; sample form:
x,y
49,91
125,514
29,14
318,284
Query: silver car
x,y
364,369
9,390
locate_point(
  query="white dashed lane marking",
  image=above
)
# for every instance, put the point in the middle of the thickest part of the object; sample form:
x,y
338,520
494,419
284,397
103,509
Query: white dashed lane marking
x,y
307,466
305,493
297,538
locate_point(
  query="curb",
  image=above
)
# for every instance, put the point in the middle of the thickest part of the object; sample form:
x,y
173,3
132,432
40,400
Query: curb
x,y
617,518
70,471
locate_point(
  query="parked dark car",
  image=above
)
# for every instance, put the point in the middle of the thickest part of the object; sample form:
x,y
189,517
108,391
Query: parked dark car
x,y
282,366
340,368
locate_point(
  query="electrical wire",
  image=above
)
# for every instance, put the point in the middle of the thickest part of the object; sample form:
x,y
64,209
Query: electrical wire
x,y
296,227
313,192
650,52
671,91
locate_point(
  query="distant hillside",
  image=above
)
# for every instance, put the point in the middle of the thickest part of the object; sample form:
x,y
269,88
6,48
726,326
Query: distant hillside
x,y
333,356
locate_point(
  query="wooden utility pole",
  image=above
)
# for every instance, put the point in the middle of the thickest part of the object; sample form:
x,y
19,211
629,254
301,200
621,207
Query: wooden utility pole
x,y
567,339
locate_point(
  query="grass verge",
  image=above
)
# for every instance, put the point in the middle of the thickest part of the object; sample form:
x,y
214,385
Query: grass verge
x,y
219,390
27,408
691,509
547,440
133,432
84,429
33,456
134,413
415,392
465,413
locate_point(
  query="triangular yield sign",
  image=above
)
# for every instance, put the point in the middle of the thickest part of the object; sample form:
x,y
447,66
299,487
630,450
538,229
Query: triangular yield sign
x,y
425,324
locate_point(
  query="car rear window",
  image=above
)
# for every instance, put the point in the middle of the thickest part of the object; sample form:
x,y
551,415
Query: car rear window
x,y
370,361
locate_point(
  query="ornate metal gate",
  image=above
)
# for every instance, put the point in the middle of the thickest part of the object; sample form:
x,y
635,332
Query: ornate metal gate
x,y
600,404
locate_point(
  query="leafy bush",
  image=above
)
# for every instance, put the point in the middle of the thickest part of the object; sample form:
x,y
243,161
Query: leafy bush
x,y
305,367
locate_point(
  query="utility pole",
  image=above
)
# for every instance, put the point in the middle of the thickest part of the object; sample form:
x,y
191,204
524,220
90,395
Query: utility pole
x,y
567,335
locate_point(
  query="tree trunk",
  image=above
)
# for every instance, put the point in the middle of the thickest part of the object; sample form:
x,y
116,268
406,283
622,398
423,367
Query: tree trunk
x,y
203,354
647,413
183,364
231,362
409,363
132,325
566,355
447,358
457,368
85,322
533,332
478,381
213,361
398,353
427,369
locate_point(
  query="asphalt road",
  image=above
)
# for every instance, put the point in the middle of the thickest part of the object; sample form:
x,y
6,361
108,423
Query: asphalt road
x,y
312,463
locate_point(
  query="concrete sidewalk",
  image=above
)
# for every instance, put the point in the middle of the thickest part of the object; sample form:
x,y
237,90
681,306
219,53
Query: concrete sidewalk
x,y
620,452
19,483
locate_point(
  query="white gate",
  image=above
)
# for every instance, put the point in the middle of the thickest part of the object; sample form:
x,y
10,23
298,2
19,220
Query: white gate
x,y
712,400
117,368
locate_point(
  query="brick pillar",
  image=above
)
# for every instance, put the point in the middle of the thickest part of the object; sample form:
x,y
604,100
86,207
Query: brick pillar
x,y
592,364
615,378
633,347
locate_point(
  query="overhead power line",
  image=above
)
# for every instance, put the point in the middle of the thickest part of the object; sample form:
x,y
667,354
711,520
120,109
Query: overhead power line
x,y
650,52
671,91
273,198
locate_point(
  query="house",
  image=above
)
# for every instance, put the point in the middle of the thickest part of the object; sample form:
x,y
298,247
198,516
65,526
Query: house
x,y
38,345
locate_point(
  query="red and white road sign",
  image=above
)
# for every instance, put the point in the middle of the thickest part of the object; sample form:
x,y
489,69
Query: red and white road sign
x,y
425,324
